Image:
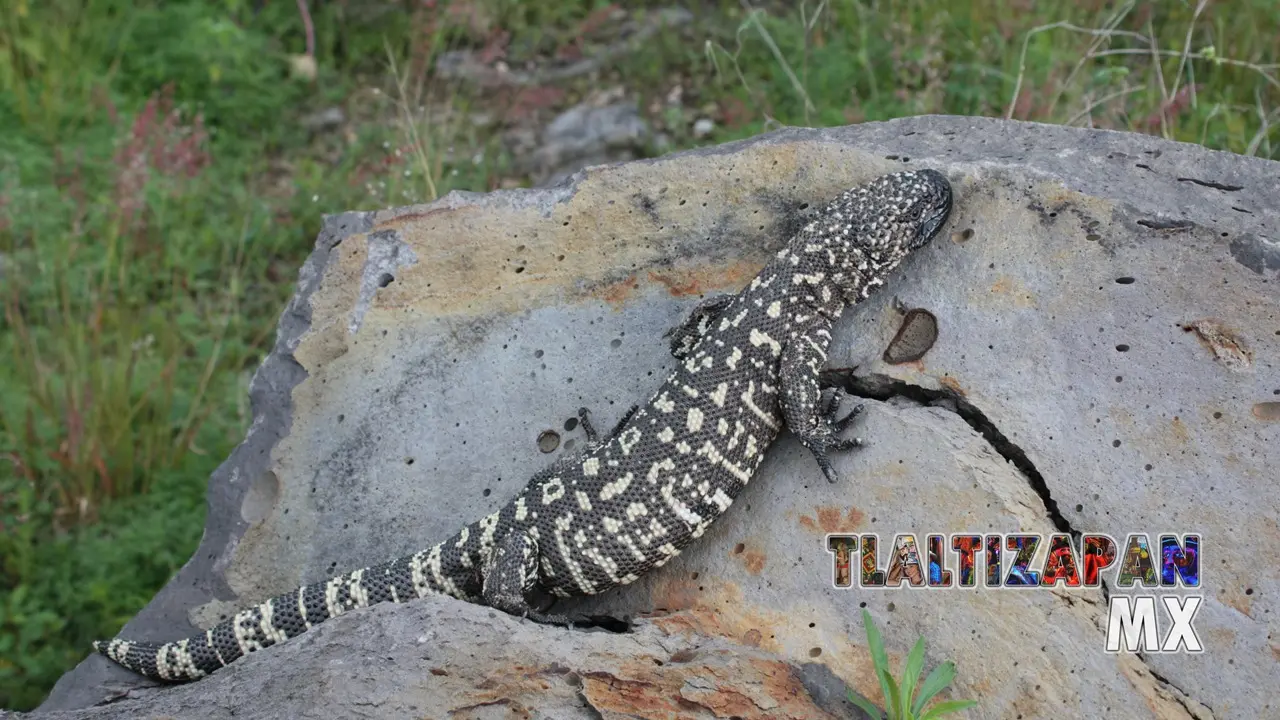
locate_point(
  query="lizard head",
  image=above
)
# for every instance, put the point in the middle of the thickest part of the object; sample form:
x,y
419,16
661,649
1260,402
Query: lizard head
x,y
935,205
862,235
900,212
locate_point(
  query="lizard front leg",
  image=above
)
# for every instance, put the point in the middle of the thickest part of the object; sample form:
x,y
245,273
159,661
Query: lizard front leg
x,y
687,334
813,422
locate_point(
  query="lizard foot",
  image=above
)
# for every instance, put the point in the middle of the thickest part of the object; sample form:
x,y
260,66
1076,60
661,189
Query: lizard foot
x,y
824,436
548,618
571,622
833,408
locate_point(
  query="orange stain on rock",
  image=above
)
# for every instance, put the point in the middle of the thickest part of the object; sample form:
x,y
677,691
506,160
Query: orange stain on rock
x,y
1223,341
696,281
628,697
722,611
833,520
618,292
505,686
1006,285
672,594
1236,598
952,384
726,684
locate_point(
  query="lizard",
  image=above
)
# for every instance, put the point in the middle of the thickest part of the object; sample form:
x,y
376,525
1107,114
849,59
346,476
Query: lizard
x,y
747,368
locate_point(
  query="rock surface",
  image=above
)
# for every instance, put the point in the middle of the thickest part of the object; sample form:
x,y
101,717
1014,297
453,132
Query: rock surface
x,y
436,659
428,349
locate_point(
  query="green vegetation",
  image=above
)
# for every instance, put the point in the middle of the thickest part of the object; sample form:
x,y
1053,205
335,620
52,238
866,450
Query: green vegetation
x,y
162,178
902,700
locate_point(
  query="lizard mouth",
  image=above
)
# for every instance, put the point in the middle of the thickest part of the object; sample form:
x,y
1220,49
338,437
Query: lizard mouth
x,y
938,210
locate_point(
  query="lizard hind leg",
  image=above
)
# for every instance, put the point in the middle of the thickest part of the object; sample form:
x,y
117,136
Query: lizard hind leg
x,y
511,576
511,579
594,440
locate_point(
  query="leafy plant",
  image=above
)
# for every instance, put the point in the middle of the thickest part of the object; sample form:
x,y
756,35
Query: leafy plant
x,y
898,695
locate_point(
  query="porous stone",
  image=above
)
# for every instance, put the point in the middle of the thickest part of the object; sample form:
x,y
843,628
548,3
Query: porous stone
x,y
440,659
427,348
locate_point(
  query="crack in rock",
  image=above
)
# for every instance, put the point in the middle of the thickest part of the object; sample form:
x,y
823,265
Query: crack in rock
x,y
1225,187
1195,708
387,253
878,386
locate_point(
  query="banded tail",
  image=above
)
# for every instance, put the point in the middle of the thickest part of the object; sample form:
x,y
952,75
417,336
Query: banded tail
x,y
433,571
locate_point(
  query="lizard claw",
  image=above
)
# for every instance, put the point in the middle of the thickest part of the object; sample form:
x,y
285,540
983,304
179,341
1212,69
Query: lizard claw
x,y
820,442
584,418
832,408
823,438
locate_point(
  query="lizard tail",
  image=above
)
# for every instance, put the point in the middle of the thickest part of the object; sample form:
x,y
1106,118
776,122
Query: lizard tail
x,y
291,614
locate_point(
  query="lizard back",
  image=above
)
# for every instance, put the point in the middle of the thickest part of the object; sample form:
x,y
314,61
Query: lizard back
x,y
748,368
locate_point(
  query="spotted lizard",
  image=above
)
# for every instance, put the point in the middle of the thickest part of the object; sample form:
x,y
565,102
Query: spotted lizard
x,y
748,365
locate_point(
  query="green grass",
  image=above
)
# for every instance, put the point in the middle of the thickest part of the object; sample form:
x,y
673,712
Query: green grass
x,y
907,698
159,189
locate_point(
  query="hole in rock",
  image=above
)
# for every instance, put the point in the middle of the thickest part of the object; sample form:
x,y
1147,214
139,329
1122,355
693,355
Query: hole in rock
x,y
548,441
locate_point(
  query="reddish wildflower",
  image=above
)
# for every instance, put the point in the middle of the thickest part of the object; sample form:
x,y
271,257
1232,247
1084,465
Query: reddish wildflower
x,y
524,102
159,142
592,22
734,113
495,48
424,23
1022,107
1173,107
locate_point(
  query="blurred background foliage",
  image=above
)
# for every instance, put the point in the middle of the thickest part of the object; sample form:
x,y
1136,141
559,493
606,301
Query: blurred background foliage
x,y
164,166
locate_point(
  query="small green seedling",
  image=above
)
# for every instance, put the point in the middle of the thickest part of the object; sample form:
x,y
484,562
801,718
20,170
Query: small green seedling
x,y
897,696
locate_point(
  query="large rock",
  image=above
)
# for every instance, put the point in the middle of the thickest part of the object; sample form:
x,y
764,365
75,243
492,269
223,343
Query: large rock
x,y
428,348
438,659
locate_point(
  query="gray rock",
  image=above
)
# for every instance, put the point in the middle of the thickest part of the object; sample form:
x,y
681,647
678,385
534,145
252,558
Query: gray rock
x,y
586,135
330,118
438,659
508,311
631,35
